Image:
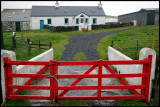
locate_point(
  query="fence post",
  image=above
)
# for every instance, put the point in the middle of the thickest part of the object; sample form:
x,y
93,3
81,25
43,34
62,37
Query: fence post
x,y
13,42
39,44
29,46
148,78
99,79
112,44
6,76
156,95
153,44
50,45
137,46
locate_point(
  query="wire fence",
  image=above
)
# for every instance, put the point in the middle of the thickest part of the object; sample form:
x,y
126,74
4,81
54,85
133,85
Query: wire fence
x,y
132,48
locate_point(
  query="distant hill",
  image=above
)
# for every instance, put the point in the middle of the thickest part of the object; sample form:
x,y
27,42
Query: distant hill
x,y
109,16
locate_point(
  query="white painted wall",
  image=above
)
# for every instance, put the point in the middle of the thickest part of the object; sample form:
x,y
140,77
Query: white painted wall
x,y
113,54
46,56
111,20
59,21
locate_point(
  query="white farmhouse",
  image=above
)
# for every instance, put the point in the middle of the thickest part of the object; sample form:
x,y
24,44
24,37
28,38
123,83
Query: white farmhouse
x,y
66,15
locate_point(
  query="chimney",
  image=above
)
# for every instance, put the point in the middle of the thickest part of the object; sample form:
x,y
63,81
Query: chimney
x,y
57,4
100,5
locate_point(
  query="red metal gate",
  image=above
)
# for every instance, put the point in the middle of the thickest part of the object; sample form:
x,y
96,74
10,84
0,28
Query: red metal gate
x,y
54,76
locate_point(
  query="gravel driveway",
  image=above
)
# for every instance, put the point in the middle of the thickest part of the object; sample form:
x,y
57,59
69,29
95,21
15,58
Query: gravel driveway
x,y
85,43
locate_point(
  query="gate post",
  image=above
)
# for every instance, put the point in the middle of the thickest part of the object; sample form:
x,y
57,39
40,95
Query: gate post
x,y
148,77
144,78
10,79
99,79
51,81
55,82
6,76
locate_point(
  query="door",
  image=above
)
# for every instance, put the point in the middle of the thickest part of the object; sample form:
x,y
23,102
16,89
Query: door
x,y
150,18
17,26
41,24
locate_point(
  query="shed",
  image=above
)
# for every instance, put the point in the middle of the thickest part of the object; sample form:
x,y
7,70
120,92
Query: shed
x,y
15,19
147,16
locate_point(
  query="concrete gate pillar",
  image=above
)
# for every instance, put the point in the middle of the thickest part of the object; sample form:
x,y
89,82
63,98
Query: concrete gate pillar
x,y
144,54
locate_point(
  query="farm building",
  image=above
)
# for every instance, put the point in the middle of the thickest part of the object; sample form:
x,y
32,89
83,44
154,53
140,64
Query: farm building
x,y
15,19
66,15
143,17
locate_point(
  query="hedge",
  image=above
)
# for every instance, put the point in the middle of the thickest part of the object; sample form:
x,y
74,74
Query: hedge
x,y
111,25
61,28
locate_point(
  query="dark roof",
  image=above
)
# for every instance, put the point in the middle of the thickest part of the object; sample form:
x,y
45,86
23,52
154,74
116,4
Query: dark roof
x,y
26,11
66,11
15,15
142,10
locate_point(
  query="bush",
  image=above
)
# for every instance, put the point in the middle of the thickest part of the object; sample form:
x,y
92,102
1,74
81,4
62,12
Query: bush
x,y
61,28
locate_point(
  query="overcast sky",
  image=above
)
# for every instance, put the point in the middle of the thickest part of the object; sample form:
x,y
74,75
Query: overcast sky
x,y
113,8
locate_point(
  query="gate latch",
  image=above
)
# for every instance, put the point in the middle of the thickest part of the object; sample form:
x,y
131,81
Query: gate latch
x,y
52,76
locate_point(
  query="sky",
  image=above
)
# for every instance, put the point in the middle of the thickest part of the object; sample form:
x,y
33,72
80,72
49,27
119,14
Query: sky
x,y
113,8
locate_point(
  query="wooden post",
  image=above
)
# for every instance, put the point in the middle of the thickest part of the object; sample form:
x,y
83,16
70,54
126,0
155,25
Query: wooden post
x,y
112,44
29,46
50,45
156,93
13,42
39,44
153,44
137,46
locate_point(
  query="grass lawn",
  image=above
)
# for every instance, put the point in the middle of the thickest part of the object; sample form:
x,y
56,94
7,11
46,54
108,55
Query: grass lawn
x,y
144,35
58,40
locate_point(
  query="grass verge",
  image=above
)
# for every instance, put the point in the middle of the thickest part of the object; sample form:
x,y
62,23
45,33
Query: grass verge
x,y
135,103
79,57
144,35
19,102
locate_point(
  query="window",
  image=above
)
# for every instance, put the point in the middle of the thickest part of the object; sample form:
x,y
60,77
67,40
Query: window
x,y
66,21
94,21
82,15
77,21
49,21
86,20
81,20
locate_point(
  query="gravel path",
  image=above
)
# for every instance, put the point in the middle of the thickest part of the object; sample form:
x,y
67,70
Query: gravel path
x,y
85,43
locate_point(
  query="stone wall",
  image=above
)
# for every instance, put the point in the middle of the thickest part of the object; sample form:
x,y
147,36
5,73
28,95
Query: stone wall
x,y
11,26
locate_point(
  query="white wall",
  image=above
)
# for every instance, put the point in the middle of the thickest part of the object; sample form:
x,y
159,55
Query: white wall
x,y
59,21
46,56
113,54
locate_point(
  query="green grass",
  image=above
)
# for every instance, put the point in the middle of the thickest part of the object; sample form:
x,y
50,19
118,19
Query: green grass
x,y
58,40
144,35
76,103
79,56
135,103
19,102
